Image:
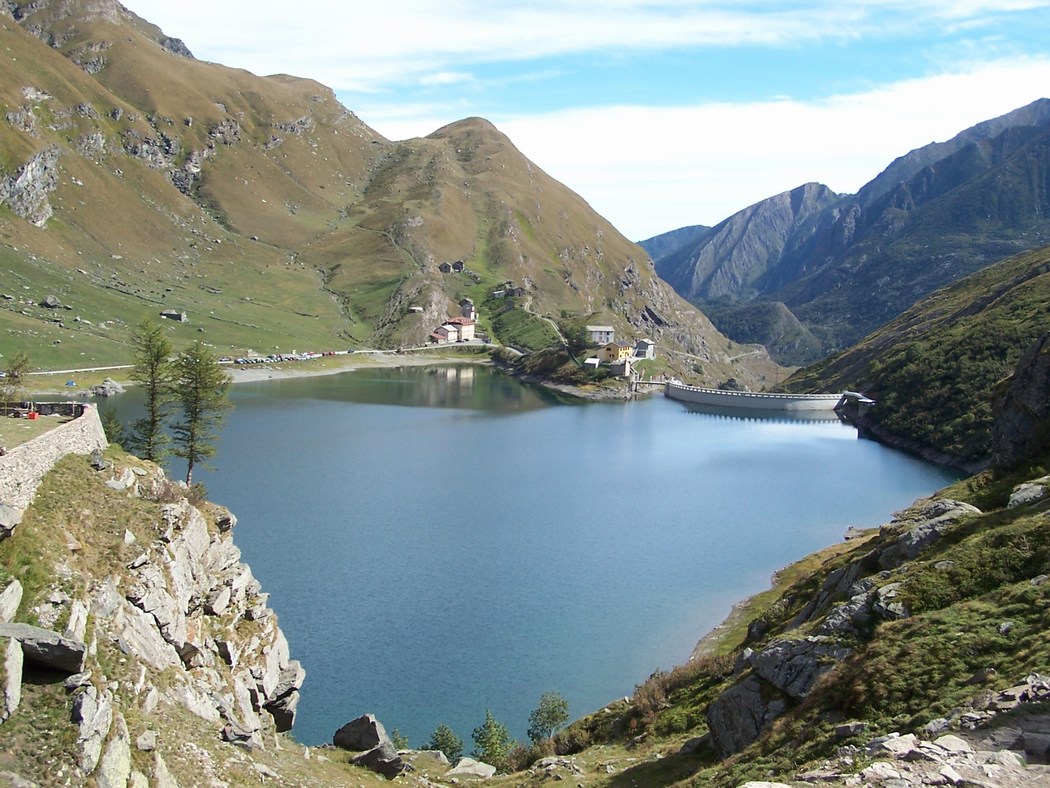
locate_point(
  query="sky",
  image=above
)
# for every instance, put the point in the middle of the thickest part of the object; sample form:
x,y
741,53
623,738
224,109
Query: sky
x,y
659,113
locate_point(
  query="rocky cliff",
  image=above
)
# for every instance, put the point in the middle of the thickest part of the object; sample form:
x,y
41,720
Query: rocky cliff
x,y
128,614
1022,402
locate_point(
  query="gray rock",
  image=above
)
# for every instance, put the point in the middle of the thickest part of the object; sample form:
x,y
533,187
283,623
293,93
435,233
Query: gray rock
x,y
146,741
383,759
27,190
136,634
468,767
10,518
115,767
44,647
10,599
1037,746
886,606
361,734
292,678
793,666
93,713
283,711
76,627
739,715
1029,492
241,736
162,777
107,388
12,689
849,729
77,680
218,601
934,520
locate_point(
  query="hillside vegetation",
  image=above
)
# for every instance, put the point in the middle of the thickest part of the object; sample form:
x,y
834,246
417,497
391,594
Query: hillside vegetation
x,y
934,370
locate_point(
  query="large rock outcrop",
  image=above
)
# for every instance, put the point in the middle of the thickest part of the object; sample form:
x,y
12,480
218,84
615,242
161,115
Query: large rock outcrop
x,y
1022,407
851,601
179,628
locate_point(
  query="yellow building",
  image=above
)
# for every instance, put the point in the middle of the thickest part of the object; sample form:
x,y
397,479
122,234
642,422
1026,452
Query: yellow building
x,y
617,351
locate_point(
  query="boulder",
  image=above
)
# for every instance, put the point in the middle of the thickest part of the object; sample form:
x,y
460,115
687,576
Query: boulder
x,y
1029,492
382,759
10,599
50,301
10,518
468,767
107,388
739,715
12,686
283,711
935,519
93,713
364,733
292,678
793,666
115,767
46,648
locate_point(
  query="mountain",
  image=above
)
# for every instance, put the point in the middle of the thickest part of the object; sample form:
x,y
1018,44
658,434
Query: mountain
x,y
935,370
136,178
846,264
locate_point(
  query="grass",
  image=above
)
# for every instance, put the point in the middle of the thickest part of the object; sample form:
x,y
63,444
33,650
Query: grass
x,y
16,431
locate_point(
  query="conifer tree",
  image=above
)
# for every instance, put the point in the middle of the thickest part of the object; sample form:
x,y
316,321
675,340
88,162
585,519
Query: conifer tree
x,y
445,740
492,742
154,372
201,387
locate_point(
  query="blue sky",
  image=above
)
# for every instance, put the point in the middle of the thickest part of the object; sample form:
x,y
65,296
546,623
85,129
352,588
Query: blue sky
x,y
660,113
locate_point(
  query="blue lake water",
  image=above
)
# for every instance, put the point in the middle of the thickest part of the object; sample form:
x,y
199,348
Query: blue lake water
x,y
438,542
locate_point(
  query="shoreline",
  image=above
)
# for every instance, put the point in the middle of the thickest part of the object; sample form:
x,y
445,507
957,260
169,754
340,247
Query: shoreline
x,y
260,373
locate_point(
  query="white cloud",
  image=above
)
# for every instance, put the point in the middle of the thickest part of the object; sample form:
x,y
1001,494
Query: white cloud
x,y
366,47
653,169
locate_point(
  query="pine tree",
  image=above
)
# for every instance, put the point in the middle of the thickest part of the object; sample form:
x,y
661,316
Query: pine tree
x,y
201,387
446,741
154,372
492,742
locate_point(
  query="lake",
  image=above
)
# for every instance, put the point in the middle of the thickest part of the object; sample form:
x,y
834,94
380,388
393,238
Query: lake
x,y
442,541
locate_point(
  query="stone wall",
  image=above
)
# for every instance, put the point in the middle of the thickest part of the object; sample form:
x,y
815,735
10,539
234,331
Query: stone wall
x,y
24,467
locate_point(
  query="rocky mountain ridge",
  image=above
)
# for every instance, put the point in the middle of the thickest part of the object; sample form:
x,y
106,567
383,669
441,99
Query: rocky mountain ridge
x,y
850,263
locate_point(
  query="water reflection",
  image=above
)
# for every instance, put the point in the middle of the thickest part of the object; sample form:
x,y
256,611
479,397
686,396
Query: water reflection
x,y
463,386
749,414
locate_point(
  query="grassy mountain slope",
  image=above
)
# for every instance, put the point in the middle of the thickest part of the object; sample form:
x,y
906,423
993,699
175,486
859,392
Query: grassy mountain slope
x,y
134,177
933,370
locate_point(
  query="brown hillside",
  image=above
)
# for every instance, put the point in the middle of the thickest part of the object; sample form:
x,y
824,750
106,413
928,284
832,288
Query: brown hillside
x,y
134,177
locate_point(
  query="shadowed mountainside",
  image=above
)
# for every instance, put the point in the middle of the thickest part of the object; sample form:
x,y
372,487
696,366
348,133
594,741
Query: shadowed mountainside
x,y
844,265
